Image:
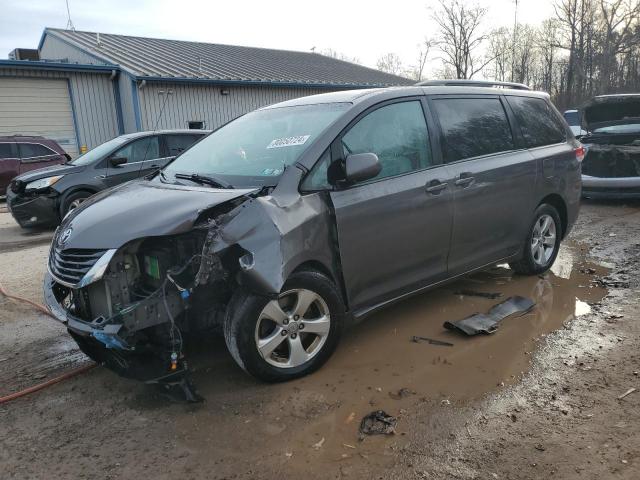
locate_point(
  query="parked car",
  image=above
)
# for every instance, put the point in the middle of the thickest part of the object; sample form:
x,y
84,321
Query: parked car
x,y
45,196
296,219
20,154
611,168
574,121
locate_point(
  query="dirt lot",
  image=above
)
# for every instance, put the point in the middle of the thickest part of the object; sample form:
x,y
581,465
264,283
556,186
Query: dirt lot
x,y
537,399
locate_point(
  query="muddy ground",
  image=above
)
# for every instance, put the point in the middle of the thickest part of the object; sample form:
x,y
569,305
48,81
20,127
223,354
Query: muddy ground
x,y
537,399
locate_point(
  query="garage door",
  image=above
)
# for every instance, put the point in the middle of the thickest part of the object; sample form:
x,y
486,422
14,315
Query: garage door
x,y
38,106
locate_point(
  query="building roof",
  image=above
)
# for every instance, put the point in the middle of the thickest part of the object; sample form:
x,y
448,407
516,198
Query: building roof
x,y
155,58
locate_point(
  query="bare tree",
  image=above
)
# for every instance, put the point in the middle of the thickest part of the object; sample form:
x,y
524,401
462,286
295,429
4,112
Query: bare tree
x,y
416,72
330,52
460,36
390,63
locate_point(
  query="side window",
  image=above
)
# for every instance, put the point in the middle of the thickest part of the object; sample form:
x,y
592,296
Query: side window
x,y
317,178
146,148
397,133
32,150
6,151
472,127
176,144
539,123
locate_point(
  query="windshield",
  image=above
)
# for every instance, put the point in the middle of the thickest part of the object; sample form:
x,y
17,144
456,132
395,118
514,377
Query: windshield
x,y
99,152
253,150
627,128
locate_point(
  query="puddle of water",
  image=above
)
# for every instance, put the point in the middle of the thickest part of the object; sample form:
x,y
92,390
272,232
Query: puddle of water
x,y
377,358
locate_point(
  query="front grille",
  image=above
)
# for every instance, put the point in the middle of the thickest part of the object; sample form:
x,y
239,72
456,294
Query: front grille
x,y
72,264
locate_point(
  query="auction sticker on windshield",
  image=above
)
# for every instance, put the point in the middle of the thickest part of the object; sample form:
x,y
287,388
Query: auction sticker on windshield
x,y
288,141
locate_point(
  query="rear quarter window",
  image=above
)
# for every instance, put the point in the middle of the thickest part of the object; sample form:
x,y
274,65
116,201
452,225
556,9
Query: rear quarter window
x,y
472,127
6,151
538,122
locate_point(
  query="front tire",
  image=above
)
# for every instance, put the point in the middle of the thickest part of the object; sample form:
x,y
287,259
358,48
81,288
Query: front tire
x,y
72,202
542,244
285,338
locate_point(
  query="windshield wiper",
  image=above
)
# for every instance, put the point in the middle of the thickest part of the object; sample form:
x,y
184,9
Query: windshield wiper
x,y
203,179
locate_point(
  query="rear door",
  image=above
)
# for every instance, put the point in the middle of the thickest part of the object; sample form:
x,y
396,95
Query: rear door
x,y
393,230
137,153
9,165
493,179
35,155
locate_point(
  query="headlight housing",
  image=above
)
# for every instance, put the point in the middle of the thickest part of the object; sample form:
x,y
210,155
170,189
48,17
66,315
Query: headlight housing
x,y
42,183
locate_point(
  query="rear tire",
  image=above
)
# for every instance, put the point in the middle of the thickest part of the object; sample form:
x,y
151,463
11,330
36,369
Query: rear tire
x,y
287,338
542,243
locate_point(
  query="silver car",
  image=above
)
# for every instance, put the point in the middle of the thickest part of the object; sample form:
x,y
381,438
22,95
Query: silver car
x,y
293,221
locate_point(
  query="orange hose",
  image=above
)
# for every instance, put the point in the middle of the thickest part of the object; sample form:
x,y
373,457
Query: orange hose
x,y
37,306
53,381
40,386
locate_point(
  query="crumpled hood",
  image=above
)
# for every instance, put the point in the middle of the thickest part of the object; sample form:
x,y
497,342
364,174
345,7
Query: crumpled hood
x,y
608,110
51,171
139,209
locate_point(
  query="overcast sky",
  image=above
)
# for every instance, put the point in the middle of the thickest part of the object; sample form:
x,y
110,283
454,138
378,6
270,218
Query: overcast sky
x,y
362,29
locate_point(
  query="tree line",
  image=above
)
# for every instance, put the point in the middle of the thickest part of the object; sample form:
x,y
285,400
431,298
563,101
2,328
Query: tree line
x,y
588,48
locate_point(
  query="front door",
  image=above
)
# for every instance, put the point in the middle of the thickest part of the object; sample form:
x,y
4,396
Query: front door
x,y
493,180
137,153
393,230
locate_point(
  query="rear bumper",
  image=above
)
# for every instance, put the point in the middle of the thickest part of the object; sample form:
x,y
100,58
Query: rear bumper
x,y
40,210
611,187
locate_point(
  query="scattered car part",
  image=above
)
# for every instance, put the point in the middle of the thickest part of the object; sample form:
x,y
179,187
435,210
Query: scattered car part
x,y
378,423
432,341
488,323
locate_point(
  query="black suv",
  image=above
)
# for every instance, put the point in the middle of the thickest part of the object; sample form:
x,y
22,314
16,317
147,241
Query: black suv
x,y
44,196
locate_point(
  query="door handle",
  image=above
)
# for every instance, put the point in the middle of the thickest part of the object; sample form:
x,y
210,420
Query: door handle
x,y
435,187
464,180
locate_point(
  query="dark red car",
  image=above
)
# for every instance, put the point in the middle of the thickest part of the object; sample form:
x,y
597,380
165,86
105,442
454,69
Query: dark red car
x,y
19,154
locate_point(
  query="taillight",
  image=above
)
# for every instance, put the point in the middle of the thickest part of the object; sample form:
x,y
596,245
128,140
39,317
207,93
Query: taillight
x,y
580,153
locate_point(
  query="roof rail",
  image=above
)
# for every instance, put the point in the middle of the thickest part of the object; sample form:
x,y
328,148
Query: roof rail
x,y
472,83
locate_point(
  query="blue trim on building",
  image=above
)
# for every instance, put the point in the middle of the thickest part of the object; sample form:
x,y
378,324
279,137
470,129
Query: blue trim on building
x,y
136,103
118,100
72,67
73,114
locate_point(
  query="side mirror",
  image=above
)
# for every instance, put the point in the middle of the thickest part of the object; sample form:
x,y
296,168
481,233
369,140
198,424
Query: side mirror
x,y
361,166
118,161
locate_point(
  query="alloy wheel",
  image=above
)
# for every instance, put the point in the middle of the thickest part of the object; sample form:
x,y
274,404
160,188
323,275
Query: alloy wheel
x,y
543,240
293,328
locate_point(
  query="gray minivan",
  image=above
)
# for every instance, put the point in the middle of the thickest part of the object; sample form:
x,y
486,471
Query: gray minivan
x,y
298,218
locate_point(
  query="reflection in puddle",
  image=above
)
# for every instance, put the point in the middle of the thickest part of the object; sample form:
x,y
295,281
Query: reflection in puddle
x,y
377,358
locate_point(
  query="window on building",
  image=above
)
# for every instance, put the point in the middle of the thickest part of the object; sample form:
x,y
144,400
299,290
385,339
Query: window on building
x,y
196,125
472,127
32,150
146,148
397,134
176,144
539,123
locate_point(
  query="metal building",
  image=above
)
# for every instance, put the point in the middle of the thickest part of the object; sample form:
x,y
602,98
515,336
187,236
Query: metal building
x,y
89,87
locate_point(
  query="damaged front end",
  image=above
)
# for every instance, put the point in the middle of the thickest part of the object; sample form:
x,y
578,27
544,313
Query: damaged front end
x,y
130,304
611,167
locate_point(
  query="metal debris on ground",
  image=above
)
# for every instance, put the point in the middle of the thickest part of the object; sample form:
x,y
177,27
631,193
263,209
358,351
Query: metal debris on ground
x,y
432,341
378,423
474,293
402,393
488,323
628,392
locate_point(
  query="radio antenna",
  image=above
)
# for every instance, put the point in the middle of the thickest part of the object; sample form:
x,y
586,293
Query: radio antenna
x,y
69,21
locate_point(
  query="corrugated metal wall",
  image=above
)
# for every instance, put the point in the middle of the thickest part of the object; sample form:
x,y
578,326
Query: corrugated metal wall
x,y
193,102
55,49
93,102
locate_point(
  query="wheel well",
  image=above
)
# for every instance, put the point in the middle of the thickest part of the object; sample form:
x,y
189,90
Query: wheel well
x,y
557,202
63,199
317,266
